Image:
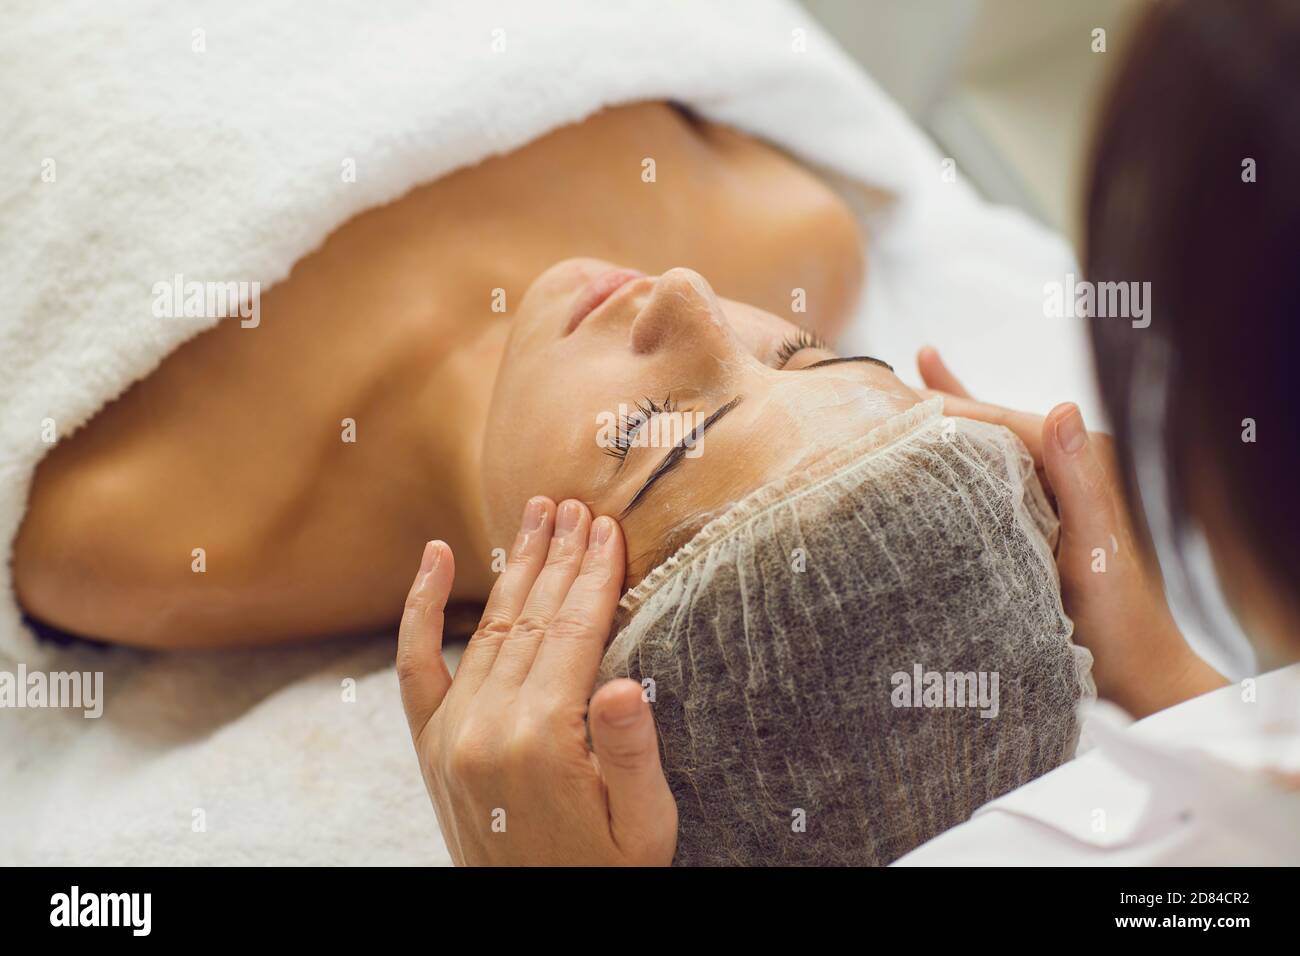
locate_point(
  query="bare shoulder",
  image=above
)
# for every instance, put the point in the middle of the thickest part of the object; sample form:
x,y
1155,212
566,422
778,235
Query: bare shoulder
x,y
801,240
670,188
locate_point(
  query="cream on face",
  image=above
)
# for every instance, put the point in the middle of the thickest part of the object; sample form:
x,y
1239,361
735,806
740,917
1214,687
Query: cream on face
x,y
594,342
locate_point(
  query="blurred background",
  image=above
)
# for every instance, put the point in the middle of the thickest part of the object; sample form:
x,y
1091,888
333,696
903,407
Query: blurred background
x,y
1005,87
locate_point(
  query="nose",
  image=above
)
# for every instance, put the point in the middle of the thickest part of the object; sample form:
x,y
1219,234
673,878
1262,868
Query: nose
x,y
682,312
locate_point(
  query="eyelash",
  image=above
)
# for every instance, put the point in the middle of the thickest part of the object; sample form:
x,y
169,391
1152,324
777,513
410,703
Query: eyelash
x,y
796,343
646,409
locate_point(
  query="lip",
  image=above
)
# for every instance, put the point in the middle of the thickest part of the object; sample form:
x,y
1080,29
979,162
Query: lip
x,y
597,291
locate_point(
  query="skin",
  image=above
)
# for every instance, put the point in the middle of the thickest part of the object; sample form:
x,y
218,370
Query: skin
x,y
233,444
664,337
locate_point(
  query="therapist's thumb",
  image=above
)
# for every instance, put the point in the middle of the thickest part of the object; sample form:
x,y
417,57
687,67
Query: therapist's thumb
x,y
642,814
1082,481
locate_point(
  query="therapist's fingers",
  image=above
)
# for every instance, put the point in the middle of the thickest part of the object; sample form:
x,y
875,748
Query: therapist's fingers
x,y
527,556
1026,426
642,813
421,671
570,654
563,560
937,375
942,383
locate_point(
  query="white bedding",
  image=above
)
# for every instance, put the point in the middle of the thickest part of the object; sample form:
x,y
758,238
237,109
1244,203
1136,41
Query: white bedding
x,y
225,164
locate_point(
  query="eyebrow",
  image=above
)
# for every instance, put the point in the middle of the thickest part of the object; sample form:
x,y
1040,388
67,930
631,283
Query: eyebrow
x,y
848,358
678,452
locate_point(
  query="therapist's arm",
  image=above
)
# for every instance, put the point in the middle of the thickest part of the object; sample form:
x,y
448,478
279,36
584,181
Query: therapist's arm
x,y
1142,662
503,745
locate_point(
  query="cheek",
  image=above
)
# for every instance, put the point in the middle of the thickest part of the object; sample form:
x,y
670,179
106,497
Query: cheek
x,y
540,439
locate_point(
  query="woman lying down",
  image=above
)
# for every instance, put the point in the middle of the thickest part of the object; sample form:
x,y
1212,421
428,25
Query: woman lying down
x,y
842,605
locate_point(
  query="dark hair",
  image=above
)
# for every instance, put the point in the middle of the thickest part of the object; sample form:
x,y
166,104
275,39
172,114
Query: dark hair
x,y
1193,187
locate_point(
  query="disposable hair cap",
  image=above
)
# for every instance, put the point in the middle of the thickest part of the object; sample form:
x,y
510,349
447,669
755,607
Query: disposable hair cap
x,y
852,659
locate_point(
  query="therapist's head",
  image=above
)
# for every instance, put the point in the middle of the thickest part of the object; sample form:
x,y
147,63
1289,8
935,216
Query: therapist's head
x,y
606,371
1194,189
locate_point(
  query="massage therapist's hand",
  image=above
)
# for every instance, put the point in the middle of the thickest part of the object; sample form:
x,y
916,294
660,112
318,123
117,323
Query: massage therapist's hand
x,y
503,745
1141,660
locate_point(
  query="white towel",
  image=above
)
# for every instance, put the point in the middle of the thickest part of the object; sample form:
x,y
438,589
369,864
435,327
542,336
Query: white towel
x,y
146,139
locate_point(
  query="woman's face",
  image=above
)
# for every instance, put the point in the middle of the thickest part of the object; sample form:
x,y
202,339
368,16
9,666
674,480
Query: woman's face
x,y
656,402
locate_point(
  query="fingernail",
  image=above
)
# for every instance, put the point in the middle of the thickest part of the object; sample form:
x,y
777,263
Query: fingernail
x,y
624,714
427,560
1070,433
600,532
570,513
534,514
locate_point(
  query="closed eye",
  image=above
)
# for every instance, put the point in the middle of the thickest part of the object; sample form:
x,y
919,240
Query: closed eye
x,y
678,453
801,339
796,343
